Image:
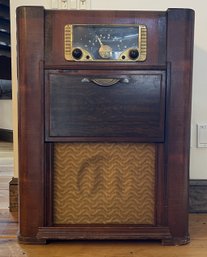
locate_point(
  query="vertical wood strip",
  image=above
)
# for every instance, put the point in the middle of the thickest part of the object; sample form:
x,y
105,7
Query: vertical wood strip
x,y
31,119
178,113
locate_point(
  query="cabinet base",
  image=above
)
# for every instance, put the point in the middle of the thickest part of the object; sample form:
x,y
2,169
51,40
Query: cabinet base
x,y
176,241
123,233
165,242
31,240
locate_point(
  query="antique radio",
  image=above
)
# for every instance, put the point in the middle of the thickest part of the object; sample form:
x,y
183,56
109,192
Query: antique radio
x,y
104,124
105,42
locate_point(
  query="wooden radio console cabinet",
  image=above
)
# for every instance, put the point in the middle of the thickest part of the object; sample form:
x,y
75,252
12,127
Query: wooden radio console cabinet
x,y
104,124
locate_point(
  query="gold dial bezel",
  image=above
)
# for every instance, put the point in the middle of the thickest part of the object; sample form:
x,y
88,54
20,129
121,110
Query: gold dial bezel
x,y
124,56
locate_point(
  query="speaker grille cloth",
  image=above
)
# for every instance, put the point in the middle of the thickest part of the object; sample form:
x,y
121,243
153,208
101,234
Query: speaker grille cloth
x,y
105,183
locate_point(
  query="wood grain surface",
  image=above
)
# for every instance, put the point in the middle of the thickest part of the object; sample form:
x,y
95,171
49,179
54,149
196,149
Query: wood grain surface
x,y
164,120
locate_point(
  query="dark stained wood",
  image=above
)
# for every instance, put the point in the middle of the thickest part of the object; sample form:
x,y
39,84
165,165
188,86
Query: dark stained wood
x,y
178,113
133,109
115,232
31,120
56,20
48,179
160,188
170,44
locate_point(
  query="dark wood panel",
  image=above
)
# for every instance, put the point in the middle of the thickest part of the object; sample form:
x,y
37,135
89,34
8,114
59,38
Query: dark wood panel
x,y
56,20
170,44
31,120
178,114
134,107
107,232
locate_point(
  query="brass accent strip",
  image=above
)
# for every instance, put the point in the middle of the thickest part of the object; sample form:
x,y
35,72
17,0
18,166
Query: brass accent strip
x,y
68,42
142,43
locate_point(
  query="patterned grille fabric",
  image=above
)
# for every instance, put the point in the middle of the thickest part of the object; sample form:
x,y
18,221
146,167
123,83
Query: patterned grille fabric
x,y
104,183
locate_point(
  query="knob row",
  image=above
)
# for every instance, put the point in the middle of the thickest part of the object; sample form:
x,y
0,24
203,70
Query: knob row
x,y
77,54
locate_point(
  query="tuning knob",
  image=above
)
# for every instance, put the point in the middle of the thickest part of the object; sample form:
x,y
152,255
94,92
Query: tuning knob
x,y
77,53
133,54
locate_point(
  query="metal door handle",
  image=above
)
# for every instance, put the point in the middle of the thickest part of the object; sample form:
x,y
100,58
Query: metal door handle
x,y
105,82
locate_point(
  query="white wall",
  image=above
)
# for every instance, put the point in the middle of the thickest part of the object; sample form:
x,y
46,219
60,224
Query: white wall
x,y
6,114
198,168
13,6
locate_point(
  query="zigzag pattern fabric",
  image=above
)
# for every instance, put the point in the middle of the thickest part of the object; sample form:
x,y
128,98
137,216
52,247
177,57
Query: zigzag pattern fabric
x,y
104,183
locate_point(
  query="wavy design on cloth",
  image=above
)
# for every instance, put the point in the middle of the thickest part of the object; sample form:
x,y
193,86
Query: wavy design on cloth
x,y
104,183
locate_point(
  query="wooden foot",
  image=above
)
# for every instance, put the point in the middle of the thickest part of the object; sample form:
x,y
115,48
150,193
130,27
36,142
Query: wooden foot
x,y
31,240
176,241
